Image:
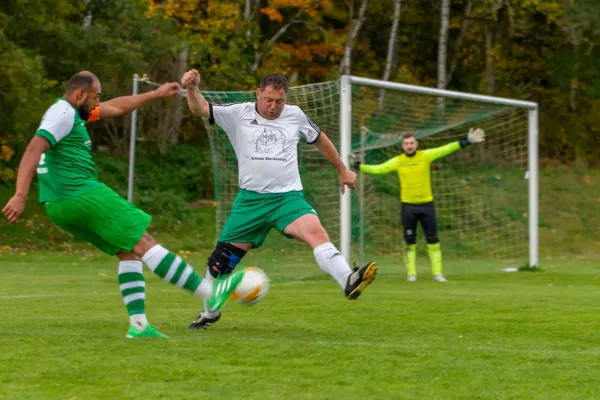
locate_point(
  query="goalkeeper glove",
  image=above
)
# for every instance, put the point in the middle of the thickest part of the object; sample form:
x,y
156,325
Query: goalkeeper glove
x,y
354,162
474,136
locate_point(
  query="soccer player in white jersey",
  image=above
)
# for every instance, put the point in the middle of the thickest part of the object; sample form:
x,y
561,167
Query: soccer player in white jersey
x,y
265,135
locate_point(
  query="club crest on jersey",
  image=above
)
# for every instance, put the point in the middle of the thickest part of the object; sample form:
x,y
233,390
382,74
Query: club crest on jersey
x,y
266,140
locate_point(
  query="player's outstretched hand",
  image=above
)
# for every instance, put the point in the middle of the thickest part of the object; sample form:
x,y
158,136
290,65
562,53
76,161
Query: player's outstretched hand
x,y
347,178
476,135
14,208
167,90
191,78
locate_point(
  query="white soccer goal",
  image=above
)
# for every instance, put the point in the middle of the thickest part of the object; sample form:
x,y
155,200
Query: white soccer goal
x,y
485,195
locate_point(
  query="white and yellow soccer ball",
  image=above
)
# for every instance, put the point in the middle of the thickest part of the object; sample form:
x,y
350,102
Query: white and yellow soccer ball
x,y
253,287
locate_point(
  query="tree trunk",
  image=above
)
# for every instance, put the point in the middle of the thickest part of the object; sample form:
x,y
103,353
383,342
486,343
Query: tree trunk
x,y
247,11
461,36
443,44
259,54
391,51
489,59
574,81
178,103
442,53
87,19
355,26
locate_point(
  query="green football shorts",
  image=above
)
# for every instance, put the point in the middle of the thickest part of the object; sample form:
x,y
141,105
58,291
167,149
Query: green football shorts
x,y
254,214
102,218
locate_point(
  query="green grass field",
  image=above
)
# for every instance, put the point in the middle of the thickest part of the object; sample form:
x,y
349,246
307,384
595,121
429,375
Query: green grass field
x,y
484,335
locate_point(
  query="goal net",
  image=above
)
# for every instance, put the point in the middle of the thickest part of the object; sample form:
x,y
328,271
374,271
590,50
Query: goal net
x,y
480,192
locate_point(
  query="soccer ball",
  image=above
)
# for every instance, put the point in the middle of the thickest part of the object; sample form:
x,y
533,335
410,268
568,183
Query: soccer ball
x,y
253,287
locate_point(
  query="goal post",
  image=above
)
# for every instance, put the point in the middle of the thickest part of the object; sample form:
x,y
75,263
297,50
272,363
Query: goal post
x,y
345,148
351,85
132,142
533,175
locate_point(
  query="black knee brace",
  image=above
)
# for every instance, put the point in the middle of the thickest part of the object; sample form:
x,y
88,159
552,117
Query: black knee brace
x,y
224,259
432,239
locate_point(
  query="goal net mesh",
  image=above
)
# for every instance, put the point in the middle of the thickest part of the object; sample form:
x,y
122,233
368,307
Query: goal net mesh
x,y
480,192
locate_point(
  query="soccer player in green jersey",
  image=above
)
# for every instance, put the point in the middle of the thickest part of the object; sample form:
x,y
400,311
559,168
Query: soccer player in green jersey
x,y
265,135
414,172
79,203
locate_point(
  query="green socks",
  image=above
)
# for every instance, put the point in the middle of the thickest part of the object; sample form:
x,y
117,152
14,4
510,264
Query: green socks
x,y
435,256
410,259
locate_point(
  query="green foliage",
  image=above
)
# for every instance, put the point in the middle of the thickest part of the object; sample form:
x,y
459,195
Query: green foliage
x,y
43,43
23,86
184,170
546,51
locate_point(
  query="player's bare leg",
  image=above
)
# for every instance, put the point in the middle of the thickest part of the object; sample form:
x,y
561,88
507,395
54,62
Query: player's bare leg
x,y
308,229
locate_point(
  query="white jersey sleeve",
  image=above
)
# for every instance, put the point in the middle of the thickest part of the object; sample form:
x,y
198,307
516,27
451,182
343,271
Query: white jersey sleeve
x,y
58,120
307,128
227,116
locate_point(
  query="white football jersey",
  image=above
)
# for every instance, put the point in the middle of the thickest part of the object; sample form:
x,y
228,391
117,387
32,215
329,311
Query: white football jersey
x,y
266,150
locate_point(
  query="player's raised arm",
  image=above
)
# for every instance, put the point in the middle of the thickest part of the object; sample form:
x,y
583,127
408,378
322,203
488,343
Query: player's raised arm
x,y
473,137
376,169
15,206
197,103
328,150
126,104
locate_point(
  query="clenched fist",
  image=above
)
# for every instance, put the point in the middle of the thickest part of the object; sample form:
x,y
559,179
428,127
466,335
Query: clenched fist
x,y
191,78
167,90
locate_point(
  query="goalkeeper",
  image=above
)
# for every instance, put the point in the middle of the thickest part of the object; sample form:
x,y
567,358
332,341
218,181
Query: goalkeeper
x,y
414,173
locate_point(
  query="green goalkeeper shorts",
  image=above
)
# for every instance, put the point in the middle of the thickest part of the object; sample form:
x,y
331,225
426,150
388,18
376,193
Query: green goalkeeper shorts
x,y
102,218
254,214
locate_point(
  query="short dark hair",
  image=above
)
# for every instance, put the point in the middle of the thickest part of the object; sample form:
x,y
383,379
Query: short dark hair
x,y
81,80
407,136
276,80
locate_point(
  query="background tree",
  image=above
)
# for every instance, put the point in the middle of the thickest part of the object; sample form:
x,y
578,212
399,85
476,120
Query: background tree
x,y
545,51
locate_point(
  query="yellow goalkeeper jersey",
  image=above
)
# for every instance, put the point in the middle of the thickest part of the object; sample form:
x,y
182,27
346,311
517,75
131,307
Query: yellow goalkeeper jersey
x,y
414,172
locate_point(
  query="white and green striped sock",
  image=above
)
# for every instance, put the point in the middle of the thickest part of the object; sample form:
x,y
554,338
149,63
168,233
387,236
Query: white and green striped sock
x,y
172,268
133,287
